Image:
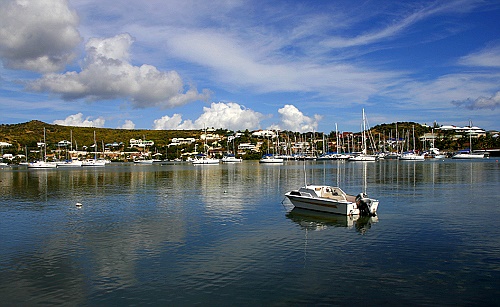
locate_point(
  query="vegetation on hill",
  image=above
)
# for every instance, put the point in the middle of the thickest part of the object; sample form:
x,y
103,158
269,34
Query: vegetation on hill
x,y
26,135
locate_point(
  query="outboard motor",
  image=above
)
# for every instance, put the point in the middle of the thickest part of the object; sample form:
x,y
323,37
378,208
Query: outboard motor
x,y
363,202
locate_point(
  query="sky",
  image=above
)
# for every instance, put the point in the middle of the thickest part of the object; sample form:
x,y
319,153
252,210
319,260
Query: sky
x,y
288,65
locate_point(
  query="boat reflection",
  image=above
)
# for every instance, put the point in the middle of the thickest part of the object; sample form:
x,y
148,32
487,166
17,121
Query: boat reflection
x,y
315,220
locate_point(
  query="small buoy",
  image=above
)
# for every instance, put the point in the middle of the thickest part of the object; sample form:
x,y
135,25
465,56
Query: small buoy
x,y
225,191
78,204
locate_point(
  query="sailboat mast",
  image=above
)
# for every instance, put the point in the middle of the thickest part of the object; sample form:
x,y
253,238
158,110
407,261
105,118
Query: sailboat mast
x,y
95,148
336,139
413,132
364,135
470,137
44,147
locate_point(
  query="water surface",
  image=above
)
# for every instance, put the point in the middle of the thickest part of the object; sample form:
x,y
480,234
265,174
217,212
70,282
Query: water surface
x,y
223,234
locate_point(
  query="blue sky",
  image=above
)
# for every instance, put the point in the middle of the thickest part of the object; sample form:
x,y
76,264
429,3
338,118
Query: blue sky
x,y
289,65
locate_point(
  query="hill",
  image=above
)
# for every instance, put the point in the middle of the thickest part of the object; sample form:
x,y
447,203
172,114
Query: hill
x,y
29,133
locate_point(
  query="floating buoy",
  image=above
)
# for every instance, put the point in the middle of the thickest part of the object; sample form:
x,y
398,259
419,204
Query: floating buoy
x,y
78,204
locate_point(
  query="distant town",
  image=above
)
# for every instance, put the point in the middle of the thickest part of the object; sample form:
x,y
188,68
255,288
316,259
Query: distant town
x,y
252,145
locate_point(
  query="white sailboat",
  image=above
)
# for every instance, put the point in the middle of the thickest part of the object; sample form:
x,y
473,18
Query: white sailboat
x,y
94,162
230,157
43,163
270,158
412,155
204,159
468,154
70,162
363,156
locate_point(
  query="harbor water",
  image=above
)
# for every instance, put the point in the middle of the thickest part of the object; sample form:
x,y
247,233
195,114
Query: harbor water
x,y
218,235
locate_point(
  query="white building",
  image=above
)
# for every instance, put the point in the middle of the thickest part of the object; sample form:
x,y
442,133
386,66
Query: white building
x,y
140,143
264,134
63,143
180,141
210,137
473,130
246,146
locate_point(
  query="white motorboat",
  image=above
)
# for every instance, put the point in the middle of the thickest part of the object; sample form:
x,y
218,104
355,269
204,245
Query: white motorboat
x,y
333,200
231,159
203,159
270,159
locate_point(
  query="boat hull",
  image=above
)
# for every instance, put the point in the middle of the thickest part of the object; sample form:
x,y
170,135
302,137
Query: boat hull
x,y
93,163
42,164
74,163
412,158
363,158
323,205
468,156
206,162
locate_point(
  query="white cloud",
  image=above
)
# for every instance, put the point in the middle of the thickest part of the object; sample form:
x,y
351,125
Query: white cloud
x,y
127,125
107,74
37,35
488,57
228,115
172,123
77,120
481,102
398,27
293,119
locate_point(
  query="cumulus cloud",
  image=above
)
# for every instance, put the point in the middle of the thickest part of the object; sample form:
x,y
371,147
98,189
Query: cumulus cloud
x,y
293,119
127,125
219,115
77,120
172,123
40,35
480,103
107,74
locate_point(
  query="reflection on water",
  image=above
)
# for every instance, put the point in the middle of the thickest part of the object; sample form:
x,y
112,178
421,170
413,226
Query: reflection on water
x,y
315,220
219,235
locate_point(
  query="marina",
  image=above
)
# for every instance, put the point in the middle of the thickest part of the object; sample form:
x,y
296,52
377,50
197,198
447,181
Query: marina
x,y
181,234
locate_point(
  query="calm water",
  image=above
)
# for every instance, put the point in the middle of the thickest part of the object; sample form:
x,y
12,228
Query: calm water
x,y
224,235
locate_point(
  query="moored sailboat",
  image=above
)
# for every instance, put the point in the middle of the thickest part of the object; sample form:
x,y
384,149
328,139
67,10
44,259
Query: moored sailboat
x,y
94,162
468,153
363,155
43,162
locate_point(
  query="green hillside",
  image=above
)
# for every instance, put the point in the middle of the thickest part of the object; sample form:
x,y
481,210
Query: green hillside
x,y
28,134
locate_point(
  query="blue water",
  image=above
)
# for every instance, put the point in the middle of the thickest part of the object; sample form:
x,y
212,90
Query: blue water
x,y
224,235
